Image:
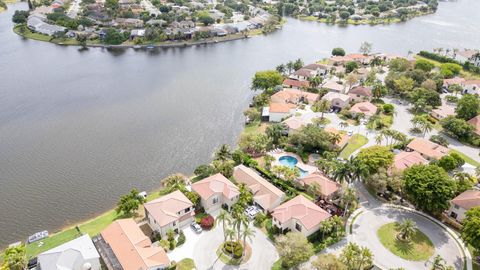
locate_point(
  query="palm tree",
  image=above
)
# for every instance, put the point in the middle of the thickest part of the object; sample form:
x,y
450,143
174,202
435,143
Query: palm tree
x,y
326,227
268,161
230,234
240,220
247,233
275,132
365,258
349,197
315,81
342,173
439,263
343,125
223,153
406,229
335,138
321,106
174,181
281,68
225,218
426,126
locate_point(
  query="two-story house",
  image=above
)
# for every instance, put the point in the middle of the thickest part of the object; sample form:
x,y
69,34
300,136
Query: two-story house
x,y
216,191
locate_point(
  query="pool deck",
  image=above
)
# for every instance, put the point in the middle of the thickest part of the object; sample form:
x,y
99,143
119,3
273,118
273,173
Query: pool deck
x,y
277,154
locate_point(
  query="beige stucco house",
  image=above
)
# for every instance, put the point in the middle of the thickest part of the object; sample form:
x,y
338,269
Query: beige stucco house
x,y
173,211
216,191
299,215
462,203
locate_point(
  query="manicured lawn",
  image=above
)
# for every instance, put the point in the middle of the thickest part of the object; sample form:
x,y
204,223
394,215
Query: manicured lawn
x,y
355,142
278,265
466,158
186,264
420,248
255,127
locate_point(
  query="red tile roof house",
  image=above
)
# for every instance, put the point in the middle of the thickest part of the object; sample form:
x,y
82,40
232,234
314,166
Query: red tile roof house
x,y
280,111
216,191
130,247
475,122
462,203
442,111
320,70
303,74
405,160
360,93
265,195
294,96
299,215
294,84
472,87
367,108
173,211
328,188
428,149
455,80
337,100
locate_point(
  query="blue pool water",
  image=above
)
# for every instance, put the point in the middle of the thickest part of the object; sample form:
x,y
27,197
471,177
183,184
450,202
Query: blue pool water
x,y
291,162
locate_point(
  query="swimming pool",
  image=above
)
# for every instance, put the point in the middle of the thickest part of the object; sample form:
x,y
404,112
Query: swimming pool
x,y
291,162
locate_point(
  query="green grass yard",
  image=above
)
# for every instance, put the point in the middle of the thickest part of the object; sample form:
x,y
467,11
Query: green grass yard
x,y
354,143
186,264
420,248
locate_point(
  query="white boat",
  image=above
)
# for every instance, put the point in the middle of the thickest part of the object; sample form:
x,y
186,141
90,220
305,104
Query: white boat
x,y
37,236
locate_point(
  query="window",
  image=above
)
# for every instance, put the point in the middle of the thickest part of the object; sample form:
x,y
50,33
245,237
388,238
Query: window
x,y
215,200
187,210
456,206
174,223
453,215
298,227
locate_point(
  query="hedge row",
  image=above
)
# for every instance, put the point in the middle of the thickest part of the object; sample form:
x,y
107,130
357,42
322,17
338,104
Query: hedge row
x,y
443,59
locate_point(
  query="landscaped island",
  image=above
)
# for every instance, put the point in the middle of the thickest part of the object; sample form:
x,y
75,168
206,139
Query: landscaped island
x,y
138,23
348,145
357,12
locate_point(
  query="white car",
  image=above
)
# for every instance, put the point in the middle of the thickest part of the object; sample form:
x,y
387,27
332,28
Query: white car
x,y
252,211
195,227
350,133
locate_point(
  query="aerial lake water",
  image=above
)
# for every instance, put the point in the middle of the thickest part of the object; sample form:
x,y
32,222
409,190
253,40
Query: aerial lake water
x,y
79,128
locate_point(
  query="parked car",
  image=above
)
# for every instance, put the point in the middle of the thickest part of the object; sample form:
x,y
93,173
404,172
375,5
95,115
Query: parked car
x,y
195,227
350,133
252,211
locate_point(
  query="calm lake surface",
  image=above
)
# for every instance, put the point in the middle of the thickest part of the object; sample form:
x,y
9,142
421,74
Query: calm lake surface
x,y
80,128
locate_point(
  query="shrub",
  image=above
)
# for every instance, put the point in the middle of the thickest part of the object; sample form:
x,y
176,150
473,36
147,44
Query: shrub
x,y
439,139
173,244
207,222
181,239
234,249
448,70
388,109
165,244
424,65
338,51
259,219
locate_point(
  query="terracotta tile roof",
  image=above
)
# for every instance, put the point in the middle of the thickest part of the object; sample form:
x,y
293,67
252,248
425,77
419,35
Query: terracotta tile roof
x,y
296,83
316,66
366,108
467,53
330,96
405,160
331,85
132,248
468,199
327,186
296,122
472,82
294,95
264,192
164,209
444,110
304,73
455,80
343,137
281,107
356,56
428,148
361,90
302,210
475,122
215,184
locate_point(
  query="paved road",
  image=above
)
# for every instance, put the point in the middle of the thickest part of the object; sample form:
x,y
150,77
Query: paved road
x,y
263,256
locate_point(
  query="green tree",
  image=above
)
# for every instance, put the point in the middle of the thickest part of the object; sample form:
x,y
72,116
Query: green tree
x,y
448,163
429,187
264,80
203,171
458,128
356,257
379,90
321,106
471,228
15,258
293,248
247,233
20,16
223,153
328,262
338,52
351,66
467,107
406,229
254,143
129,203
344,15
399,64
424,65
224,167
403,85
275,132
205,19
114,37
226,220
449,70
375,157
464,181
174,181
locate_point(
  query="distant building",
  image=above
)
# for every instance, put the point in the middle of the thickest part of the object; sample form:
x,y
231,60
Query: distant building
x,y
280,111
360,93
327,187
428,149
404,160
366,108
443,111
337,100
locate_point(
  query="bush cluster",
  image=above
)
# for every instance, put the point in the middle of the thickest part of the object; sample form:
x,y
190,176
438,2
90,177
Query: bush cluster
x,y
234,249
207,222
181,238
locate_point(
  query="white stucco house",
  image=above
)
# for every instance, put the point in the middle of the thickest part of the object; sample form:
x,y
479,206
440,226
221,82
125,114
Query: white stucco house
x,y
462,203
78,254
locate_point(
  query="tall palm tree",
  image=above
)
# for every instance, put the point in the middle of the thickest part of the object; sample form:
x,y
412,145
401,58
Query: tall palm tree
x,y
247,233
335,138
223,153
365,258
349,196
406,229
322,106
230,234
226,219
240,220
326,227
174,181
275,132
439,263
426,126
